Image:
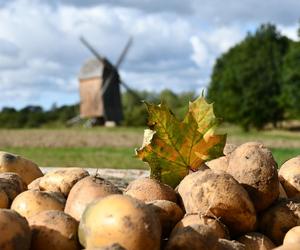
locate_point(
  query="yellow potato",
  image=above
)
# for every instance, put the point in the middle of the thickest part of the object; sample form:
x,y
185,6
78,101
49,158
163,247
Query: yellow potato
x,y
53,230
62,180
27,169
32,202
120,219
85,191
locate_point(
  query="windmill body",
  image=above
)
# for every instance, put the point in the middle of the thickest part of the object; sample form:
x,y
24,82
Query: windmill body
x,y
93,102
99,86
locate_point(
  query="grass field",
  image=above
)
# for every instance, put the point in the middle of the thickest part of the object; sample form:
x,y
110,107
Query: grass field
x,y
114,147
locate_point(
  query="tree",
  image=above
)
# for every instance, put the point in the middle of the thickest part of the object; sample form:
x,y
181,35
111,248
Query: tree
x,y
246,81
290,97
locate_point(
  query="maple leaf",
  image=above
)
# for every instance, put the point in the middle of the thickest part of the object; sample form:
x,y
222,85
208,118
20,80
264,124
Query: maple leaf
x,y
172,148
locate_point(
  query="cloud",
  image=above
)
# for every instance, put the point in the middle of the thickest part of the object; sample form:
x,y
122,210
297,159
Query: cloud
x,y
212,11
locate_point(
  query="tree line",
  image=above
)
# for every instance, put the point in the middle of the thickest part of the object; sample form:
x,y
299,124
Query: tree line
x,y
135,113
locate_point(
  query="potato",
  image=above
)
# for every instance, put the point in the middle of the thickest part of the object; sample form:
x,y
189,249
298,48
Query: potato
x,y
224,244
4,202
16,179
256,241
32,202
62,180
229,148
53,230
168,212
148,189
27,169
282,193
277,220
14,230
292,236
253,166
114,246
35,184
217,226
120,219
218,193
193,237
289,176
220,164
85,191
295,246
12,184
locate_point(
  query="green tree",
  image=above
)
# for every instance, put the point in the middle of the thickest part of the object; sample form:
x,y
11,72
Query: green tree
x,y
290,97
246,81
134,111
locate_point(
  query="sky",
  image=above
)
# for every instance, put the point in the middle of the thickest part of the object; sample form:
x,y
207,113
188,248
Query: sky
x,y
175,42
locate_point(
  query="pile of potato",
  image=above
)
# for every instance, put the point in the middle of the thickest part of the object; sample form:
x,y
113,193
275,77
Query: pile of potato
x,y
238,201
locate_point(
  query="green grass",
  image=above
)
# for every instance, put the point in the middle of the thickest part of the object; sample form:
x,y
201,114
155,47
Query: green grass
x,y
274,134
106,157
114,147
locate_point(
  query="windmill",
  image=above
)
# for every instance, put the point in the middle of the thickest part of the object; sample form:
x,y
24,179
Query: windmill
x,y
99,84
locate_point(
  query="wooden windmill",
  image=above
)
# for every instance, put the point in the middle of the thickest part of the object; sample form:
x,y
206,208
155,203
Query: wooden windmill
x,y
99,84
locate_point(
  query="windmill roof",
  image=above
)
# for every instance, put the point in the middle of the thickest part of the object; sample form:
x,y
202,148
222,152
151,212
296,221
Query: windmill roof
x,y
91,68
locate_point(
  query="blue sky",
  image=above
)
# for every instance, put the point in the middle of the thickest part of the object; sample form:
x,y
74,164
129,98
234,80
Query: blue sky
x,y
175,42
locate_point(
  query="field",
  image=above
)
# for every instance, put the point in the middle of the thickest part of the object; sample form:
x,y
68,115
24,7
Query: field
x,y
114,147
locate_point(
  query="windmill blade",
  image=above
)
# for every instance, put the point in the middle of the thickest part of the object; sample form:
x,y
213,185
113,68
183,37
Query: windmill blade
x,y
91,49
130,90
124,52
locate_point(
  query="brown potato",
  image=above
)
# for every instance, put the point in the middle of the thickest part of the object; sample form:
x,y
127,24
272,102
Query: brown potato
x,y
282,193
168,212
193,237
27,169
53,230
218,193
224,244
256,241
4,202
120,219
289,176
85,191
220,164
253,166
229,148
277,220
148,189
295,246
292,236
114,246
32,202
15,233
217,226
12,184
62,180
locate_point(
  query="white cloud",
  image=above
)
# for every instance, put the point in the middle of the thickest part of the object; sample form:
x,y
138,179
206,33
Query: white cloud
x,y
221,39
290,31
200,55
